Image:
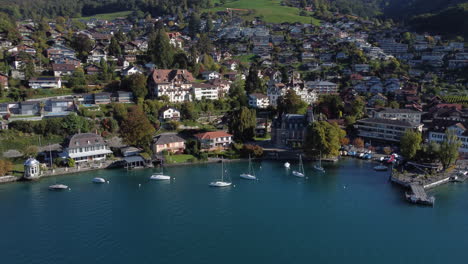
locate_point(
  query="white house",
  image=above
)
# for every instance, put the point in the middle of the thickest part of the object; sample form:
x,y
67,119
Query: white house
x,y
86,147
45,82
210,75
205,91
438,129
132,70
258,100
170,113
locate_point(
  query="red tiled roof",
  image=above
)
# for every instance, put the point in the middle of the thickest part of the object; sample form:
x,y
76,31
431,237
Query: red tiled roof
x,y
163,76
211,135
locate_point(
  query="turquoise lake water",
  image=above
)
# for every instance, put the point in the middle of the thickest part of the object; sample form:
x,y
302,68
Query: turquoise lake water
x,y
350,215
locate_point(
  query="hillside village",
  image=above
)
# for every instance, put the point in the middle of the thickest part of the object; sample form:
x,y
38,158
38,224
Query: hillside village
x,y
145,87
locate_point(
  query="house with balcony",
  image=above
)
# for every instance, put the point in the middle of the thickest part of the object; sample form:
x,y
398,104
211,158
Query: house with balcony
x,y
170,113
45,82
175,84
205,91
169,142
85,147
216,140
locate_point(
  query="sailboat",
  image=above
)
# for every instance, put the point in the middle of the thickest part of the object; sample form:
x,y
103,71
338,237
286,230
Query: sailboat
x,y
160,176
300,173
319,166
250,175
221,182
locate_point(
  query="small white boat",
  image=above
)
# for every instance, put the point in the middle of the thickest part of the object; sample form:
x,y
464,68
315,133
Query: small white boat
x,y
99,180
221,182
250,175
287,165
58,187
300,173
380,168
160,176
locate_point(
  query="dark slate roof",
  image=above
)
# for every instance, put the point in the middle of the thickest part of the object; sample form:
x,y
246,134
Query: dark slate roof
x,y
167,138
84,140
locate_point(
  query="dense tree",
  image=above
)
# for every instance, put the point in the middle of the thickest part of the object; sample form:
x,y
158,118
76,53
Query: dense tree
x,y
194,24
82,44
253,83
331,106
188,111
237,94
290,103
73,124
160,50
325,138
114,47
136,129
5,167
204,44
137,84
448,152
410,143
242,124
77,78
358,107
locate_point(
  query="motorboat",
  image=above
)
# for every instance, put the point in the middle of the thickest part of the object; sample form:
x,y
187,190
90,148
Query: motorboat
x,y
160,176
58,187
250,174
99,180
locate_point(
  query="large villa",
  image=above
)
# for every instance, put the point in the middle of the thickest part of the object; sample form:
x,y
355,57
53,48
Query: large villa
x,y
86,147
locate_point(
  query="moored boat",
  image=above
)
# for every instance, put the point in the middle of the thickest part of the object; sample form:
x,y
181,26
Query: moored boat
x,y
99,180
58,187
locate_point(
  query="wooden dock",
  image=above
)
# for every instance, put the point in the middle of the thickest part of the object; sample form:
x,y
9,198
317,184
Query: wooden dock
x,y
419,195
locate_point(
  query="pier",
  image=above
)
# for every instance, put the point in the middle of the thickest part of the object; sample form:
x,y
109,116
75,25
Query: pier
x,y
419,195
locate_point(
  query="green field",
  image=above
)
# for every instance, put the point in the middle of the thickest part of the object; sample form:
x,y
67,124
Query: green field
x,y
106,16
270,10
181,158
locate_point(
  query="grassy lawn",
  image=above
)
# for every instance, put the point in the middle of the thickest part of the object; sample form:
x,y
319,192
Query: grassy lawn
x,y
19,141
268,137
245,58
181,158
271,10
106,16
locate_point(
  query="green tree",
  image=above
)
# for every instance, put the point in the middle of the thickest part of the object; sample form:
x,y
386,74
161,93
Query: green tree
x,y
77,78
325,138
448,152
188,111
114,47
237,94
160,49
136,129
331,106
291,103
137,84
253,83
358,107
82,44
242,124
194,24
73,124
410,143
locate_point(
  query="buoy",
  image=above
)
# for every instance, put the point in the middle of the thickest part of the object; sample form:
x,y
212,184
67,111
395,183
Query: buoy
x,y
108,182
69,189
139,185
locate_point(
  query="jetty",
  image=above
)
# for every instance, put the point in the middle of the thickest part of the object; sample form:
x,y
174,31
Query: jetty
x,y
419,196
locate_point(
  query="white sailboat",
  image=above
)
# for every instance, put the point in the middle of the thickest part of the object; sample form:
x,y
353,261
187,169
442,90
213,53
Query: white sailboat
x,y
160,176
221,182
319,166
250,175
300,173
